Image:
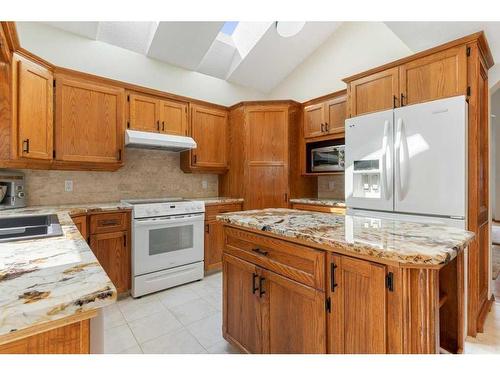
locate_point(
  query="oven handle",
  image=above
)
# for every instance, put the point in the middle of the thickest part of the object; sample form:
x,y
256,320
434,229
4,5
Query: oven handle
x,y
169,220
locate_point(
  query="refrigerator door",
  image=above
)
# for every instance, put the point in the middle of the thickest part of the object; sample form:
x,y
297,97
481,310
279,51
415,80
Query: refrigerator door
x,y
369,161
430,158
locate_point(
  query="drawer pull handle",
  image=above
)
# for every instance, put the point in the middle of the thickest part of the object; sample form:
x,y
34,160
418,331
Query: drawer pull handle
x,y
333,266
261,286
107,223
259,251
254,278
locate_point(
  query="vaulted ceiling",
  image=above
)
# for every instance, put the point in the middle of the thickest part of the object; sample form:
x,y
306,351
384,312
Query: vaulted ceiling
x,y
252,54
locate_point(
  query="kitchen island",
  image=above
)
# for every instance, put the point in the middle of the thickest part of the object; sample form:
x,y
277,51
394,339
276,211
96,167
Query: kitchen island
x,y
51,289
306,282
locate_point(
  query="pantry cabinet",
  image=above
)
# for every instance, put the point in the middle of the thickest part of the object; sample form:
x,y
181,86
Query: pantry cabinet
x,y
89,121
357,306
32,109
326,117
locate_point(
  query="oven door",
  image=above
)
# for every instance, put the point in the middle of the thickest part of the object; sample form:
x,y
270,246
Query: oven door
x,y
327,159
166,242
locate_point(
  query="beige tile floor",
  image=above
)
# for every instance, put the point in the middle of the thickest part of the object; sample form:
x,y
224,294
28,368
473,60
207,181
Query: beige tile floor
x,y
187,319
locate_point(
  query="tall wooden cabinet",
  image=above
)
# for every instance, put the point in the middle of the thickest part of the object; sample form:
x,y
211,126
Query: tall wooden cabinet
x,y
457,68
263,167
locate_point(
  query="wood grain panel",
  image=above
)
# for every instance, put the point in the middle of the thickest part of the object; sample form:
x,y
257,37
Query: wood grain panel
x,y
214,245
71,339
318,208
173,118
267,187
436,76
357,322
296,262
113,253
314,118
81,223
242,315
109,222
335,115
376,92
295,321
89,121
33,110
144,112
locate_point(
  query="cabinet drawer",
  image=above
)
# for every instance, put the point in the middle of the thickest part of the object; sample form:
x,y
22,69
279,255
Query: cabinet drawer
x,y
296,262
212,211
108,222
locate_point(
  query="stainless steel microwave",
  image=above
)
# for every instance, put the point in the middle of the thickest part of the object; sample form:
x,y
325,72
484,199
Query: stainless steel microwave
x,y
328,159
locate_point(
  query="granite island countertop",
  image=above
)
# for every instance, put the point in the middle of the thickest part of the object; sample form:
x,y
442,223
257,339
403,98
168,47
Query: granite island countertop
x,y
405,242
219,200
328,202
43,280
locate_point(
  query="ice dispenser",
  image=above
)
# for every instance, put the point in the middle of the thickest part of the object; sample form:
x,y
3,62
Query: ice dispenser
x,y
367,177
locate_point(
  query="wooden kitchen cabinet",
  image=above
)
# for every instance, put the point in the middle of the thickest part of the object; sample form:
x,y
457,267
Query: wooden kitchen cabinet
x,y
89,125
144,113
357,316
214,234
110,242
32,109
209,128
375,92
81,223
436,76
280,315
173,118
242,304
326,117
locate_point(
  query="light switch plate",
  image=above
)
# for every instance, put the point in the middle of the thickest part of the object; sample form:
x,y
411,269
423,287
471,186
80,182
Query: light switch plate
x,y
68,185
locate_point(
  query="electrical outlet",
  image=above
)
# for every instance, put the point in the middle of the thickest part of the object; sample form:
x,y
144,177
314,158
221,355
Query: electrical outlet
x,y
204,184
331,185
68,185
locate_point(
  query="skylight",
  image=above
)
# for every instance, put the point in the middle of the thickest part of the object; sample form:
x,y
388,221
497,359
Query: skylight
x,y
229,27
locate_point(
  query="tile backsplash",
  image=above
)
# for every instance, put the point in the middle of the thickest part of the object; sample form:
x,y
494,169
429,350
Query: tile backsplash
x,y
146,174
331,187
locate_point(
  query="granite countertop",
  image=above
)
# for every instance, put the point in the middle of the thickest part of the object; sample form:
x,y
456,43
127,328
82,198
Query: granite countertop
x,y
42,280
340,203
219,200
394,240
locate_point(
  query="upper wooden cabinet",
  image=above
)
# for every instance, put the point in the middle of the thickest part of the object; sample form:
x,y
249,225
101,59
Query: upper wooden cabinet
x,y
326,117
436,76
33,118
151,114
89,121
144,113
373,93
209,128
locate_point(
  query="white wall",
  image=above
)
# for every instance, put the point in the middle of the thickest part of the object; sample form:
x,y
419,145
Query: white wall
x,y
72,51
353,48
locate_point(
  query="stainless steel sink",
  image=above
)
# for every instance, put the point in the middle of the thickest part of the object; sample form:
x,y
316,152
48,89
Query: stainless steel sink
x,y
18,228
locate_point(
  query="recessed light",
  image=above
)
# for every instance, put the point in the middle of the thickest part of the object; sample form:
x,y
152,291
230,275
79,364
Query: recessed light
x,y
287,29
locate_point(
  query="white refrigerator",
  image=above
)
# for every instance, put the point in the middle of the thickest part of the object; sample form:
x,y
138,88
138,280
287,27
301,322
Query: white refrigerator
x,y
409,163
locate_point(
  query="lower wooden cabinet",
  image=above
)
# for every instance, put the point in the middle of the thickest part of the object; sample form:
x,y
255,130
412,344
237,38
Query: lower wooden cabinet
x,y
279,315
357,306
112,252
81,224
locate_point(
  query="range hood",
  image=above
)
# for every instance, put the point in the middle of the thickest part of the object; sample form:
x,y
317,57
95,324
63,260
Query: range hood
x,y
138,139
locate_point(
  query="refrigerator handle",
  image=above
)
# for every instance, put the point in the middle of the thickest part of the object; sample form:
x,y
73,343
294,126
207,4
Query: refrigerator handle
x,y
386,156
397,156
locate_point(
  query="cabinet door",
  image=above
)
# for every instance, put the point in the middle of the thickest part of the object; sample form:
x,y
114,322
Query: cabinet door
x,y
376,92
314,120
335,115
34,110
113,254
266,187
173,117
214,244
357,321
89,121
242,316
209,130
81,224
144,113
293,316
437,76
